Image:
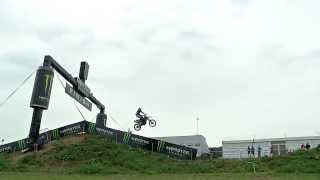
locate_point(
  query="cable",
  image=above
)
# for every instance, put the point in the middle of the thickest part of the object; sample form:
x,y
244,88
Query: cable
x,y
116,122
74,103
16,90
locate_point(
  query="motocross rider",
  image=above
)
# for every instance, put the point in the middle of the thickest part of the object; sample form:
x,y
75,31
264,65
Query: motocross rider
x,y
142,116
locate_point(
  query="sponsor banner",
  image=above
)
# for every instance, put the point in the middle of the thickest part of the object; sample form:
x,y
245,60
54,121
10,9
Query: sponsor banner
x,y
177,151
68,130
140,141
45,137
173,150
15,146
154,145
7,147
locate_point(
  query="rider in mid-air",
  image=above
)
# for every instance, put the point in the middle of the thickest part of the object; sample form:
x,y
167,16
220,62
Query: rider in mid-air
x,y
142,116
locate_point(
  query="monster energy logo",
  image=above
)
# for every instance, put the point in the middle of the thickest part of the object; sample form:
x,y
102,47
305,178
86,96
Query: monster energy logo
x,y
92,128
160,145
47,78
21,144
126,137
55,133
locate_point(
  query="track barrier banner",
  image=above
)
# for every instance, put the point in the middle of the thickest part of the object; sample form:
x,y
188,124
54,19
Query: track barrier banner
x,y
154,145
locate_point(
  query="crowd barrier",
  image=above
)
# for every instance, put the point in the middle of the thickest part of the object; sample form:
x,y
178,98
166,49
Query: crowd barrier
x,y
154,145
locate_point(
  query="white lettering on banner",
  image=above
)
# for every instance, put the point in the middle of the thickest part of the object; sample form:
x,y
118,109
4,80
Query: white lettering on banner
x,y
177,151
8,148
82,100
71,130
140,141
105,131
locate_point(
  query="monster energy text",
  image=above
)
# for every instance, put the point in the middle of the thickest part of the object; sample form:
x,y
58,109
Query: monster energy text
x,y
71,130
177,151
105,131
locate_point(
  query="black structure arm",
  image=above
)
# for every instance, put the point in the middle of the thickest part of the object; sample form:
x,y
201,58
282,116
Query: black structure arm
x,y
49,61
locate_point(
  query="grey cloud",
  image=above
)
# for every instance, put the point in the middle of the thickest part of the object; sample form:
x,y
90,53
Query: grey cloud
x,y
176,65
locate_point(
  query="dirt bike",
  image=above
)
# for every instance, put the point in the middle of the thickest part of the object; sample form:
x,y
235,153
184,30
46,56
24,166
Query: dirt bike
x,y
138,122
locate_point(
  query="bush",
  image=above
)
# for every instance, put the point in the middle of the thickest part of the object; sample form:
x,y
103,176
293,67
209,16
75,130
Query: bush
x,y
92,167
30,160
4,162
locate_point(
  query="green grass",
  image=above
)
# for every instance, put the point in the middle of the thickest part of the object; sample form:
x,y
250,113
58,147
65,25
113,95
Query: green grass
x,y
95,155
233,176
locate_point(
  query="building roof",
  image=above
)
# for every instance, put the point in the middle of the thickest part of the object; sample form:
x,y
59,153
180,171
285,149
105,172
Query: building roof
x,y
305,138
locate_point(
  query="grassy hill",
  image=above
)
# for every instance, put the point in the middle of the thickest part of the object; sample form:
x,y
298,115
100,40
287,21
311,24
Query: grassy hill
x,y
90,154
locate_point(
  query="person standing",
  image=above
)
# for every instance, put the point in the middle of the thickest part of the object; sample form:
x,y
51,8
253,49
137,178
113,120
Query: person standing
x,y
308,146
259,151
249,151
252,151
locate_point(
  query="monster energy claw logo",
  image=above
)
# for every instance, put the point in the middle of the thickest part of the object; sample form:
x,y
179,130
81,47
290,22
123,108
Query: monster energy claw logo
x,y
160,145
47,78
92,128
21,144
55,133
126,137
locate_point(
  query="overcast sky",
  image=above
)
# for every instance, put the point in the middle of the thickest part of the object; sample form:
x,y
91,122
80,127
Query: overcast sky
x,y
246,68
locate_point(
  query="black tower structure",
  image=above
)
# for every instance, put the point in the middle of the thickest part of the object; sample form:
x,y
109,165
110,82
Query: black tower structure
x,y
42,90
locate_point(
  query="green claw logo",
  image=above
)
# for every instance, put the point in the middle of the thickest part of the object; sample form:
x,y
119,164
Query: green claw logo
x,y
126,137
21,144
161,145
47,78
92,128
55,133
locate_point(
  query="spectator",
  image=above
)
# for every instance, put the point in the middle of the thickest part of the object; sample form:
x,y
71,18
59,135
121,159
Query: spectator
x,y
302,146
249,151
308,146
252,150
259,151
271,151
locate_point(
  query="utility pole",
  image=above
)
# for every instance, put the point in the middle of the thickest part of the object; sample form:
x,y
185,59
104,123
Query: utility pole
x,y
197,126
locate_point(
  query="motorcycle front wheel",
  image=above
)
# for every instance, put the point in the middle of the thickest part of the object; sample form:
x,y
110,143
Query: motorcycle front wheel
x,y
137,127
152,123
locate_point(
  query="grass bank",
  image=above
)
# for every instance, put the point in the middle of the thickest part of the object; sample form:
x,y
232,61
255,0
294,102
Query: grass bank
x,y
90,154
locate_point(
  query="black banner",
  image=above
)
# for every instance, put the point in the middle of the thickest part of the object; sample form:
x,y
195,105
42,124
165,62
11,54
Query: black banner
x,y
15,146
45,137
154,145
68,130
